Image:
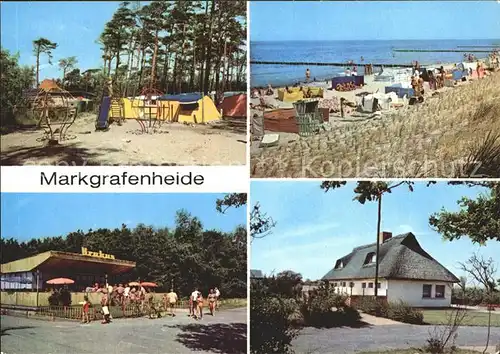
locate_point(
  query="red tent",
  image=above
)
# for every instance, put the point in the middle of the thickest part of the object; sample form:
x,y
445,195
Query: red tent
x,y
234,106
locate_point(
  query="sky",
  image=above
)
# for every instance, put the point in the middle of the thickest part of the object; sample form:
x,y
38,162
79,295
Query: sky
x,y
29,215
314,228
73,25
363,20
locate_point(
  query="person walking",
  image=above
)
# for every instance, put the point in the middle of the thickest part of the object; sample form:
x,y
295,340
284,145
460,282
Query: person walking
x,y
308,75
211,301
170,301
217,296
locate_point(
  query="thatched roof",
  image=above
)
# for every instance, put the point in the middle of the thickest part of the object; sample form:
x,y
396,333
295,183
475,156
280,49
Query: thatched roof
x,y
401,257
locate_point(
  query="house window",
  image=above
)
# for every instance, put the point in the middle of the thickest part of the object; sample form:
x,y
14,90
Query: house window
x,y
339,264
440,291
334,284
426,290
363,285
343,284
370,285
379,285
370,258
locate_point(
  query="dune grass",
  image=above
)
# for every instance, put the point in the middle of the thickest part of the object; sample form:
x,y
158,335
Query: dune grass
x,y
455,133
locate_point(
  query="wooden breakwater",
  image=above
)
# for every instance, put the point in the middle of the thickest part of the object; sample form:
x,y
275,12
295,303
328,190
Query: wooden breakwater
x,y
440,51
495,46
306,63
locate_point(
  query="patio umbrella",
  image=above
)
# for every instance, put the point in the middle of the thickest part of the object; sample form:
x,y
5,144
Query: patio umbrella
x,y
134,283
60,281
149,284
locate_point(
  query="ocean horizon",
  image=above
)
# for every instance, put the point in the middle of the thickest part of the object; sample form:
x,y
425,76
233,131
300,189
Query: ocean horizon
x,y
339,51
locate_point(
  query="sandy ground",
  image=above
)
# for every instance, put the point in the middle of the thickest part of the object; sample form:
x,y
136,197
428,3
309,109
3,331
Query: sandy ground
x,y
224,333
221,143
432,139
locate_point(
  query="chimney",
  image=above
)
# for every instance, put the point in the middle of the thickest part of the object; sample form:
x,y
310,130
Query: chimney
x,y
384,236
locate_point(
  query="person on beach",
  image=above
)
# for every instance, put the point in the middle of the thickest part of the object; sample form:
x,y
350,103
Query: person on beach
x,y
211,301
270,90
85,310
308,75
217,297
479,70
354,71
348,72
171,301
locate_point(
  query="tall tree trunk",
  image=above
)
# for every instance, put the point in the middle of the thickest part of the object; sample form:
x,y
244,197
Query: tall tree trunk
x,y
174,74
38,67
153,67
109,65
379,219
203,50
191,80
208,63
142,58
64,75
117,65
181,70
164,75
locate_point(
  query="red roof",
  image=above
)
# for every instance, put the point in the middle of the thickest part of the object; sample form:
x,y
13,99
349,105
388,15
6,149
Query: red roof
x,y
235,106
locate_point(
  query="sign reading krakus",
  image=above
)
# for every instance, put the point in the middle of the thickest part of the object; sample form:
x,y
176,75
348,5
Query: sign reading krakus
x,y
99,254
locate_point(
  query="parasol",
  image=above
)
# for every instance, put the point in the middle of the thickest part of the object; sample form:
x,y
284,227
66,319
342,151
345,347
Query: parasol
x,y
60,281
149,284
134,283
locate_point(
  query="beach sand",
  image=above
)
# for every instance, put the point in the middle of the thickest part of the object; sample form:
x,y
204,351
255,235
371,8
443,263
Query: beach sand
x,y
176,144
432,139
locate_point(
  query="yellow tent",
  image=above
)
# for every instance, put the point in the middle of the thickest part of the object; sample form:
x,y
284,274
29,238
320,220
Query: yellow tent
x,y
295,93
167,108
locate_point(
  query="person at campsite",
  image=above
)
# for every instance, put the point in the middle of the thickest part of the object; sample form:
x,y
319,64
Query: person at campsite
x,y
170,300
308,74
85,310
211,301
105,307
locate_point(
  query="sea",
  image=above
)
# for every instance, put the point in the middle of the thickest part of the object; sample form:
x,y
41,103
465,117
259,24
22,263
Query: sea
x,y
374,51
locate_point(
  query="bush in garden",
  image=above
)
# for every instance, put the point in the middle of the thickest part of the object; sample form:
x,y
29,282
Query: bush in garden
x,y
324,308
271,329
402,312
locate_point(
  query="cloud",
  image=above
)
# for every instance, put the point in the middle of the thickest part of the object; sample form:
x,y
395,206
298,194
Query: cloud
x,y
306,230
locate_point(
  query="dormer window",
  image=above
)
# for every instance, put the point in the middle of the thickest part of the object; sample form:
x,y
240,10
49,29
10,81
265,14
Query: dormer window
x,y
339,264
370,258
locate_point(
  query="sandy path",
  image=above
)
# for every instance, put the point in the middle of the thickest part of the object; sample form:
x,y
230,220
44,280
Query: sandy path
x,y
216,144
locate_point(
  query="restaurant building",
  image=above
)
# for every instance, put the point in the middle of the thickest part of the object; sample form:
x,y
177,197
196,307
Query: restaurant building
x,y
85,268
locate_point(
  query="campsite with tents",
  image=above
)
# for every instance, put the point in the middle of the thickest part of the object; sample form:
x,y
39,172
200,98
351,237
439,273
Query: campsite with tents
x,y
168,87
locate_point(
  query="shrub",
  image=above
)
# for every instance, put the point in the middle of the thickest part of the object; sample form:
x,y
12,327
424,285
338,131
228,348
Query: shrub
x,y
324,308
402,312
399,311
271,329
373,306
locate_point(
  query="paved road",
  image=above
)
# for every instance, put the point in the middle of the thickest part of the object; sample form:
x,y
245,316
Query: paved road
x,y
224,333
353,340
